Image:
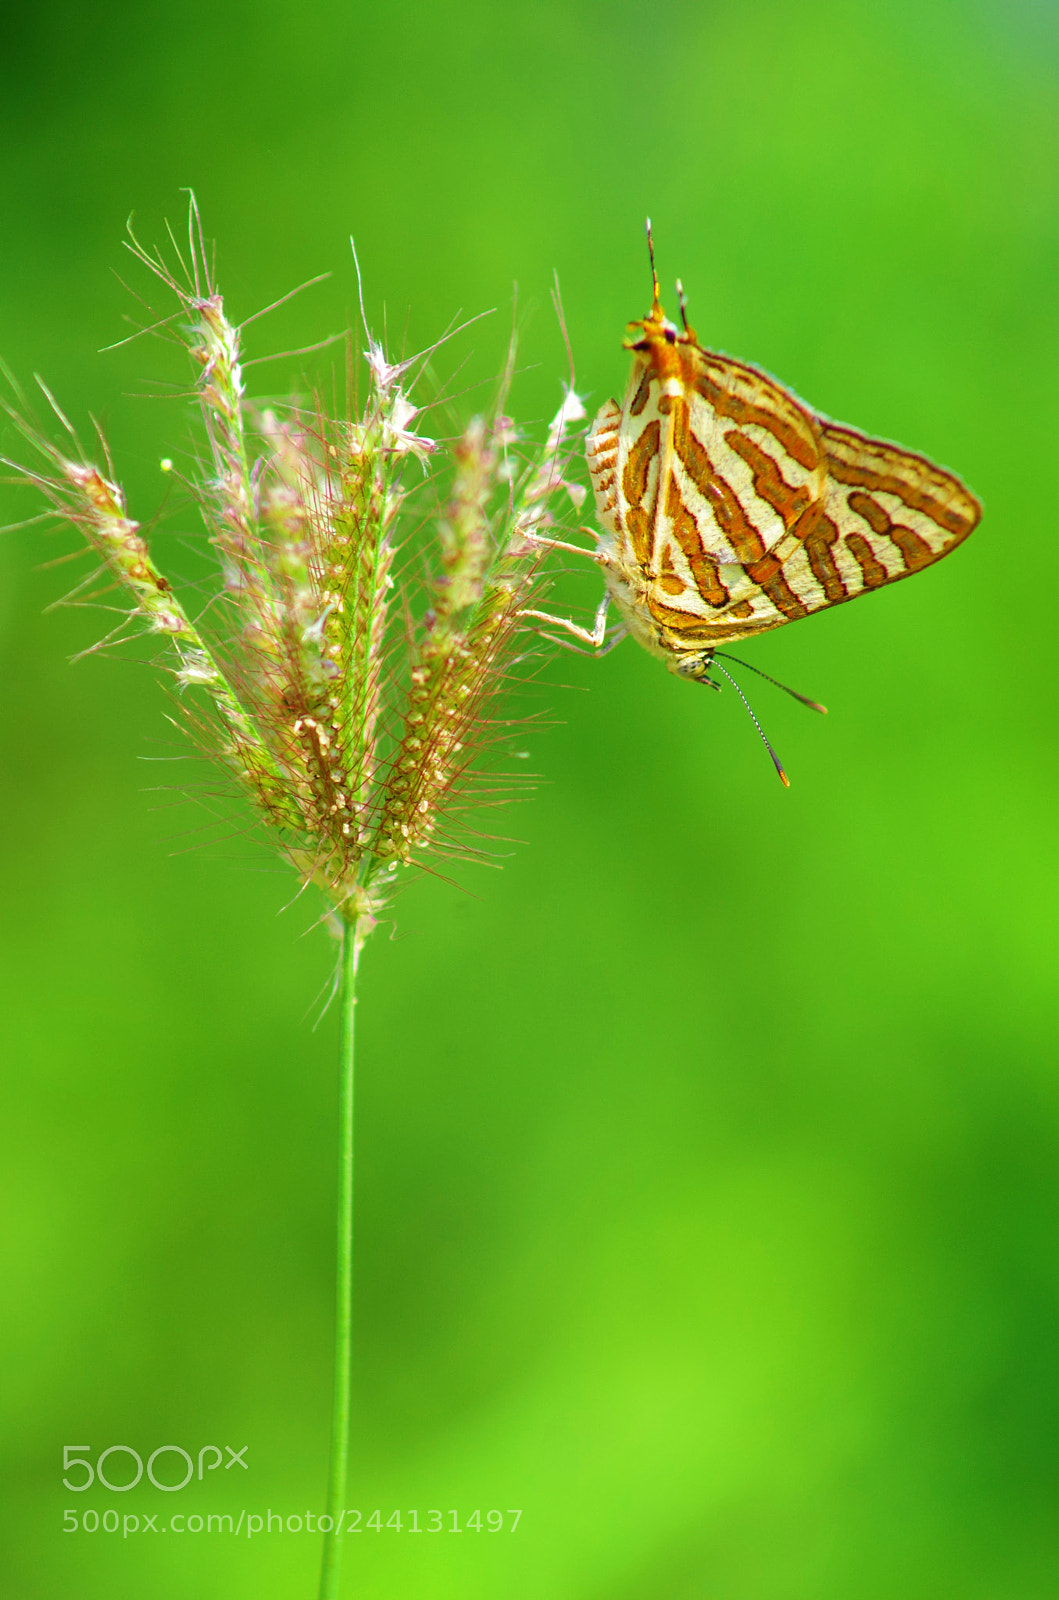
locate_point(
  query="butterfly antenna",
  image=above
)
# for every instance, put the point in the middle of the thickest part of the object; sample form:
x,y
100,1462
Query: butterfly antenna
x,y
683,299
656,307
775,758
814,705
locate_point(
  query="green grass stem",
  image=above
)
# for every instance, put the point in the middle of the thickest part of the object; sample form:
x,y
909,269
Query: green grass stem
x,y
336,1483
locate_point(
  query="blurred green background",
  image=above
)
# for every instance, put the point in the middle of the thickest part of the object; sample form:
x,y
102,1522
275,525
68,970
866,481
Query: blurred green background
x,y
708,1183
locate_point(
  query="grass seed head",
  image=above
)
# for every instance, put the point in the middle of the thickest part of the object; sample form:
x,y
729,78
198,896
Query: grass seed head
x,y
349,698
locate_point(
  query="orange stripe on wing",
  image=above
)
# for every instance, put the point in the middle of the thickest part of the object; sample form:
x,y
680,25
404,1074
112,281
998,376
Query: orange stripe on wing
x,y
915,551
642,395
872,569
686,532
732,521
819,549
634,482
749,398
769,483
768,575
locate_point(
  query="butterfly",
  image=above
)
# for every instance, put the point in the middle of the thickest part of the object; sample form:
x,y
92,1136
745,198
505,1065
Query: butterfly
x,y
729,507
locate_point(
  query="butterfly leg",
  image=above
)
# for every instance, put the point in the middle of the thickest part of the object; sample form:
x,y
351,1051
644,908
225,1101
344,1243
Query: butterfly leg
x,y
594,637
543,543
620,632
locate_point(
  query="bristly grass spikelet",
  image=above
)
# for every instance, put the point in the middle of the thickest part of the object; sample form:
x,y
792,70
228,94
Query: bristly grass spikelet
x,y
348,699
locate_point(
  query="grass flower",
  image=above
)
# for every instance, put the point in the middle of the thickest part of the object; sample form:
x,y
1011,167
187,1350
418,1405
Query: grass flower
x,y
348,675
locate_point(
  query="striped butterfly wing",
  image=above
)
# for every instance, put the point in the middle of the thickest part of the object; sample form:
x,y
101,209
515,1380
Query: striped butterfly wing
x,y
743,509
889,513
